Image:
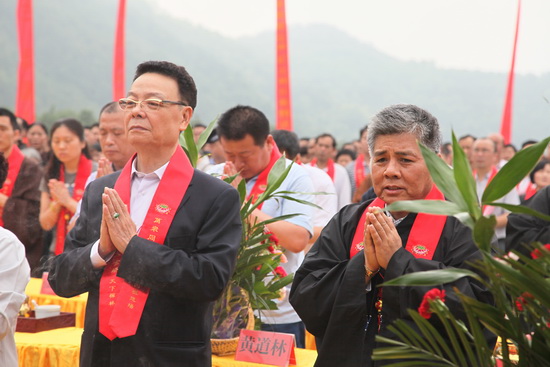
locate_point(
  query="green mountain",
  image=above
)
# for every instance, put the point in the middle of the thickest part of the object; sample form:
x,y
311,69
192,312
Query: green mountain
x,y
337,82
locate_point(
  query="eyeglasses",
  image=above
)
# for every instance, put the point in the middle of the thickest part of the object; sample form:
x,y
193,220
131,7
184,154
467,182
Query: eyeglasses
x,y
151,104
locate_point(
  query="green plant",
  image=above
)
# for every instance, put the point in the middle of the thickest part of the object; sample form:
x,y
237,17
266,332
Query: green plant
x,y
258,277
519,284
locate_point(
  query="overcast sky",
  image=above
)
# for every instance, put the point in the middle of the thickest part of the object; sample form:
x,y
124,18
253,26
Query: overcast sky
x,y
462,34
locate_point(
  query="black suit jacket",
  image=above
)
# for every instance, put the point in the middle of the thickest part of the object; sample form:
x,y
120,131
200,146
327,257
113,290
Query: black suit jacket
x,y
184,276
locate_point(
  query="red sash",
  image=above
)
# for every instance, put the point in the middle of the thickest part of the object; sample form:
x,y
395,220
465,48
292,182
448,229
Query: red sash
x,y
359,170
425,232
83,172
14,165
121,304
330,167
261,182
531,190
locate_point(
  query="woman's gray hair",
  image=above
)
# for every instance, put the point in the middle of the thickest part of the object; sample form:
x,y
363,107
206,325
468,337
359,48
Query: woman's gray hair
x,y
406,119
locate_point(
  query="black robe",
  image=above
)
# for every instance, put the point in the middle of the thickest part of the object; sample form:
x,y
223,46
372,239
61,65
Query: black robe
x,y
329,291
523,229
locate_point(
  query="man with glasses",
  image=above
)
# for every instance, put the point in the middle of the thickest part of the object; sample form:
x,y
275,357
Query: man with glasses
x,y
159,248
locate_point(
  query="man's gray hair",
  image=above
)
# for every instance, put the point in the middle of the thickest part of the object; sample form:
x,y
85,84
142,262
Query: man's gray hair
x,y
406,119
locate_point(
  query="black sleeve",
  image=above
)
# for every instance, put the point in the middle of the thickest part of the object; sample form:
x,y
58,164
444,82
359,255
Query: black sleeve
x,y
326,268
524,229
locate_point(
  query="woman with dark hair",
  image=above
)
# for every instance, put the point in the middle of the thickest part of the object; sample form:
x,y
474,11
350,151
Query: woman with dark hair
x,y
540,178
37,135
65,177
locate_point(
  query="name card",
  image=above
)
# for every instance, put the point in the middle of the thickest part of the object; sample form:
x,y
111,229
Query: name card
x,y
46,288
266,347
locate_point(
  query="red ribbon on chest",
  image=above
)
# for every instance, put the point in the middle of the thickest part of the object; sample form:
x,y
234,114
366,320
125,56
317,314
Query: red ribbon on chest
x,y
121,304
15,160
83,172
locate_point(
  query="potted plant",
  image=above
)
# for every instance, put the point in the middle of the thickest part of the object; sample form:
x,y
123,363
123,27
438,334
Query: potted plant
x,y
258,278
520,285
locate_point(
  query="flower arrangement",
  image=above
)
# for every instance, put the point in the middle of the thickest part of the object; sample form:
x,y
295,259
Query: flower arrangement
x,y
520,284
258,278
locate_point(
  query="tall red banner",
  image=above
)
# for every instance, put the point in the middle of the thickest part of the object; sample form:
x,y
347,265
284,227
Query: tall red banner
x,y
118,62
506,124
283,108
24,104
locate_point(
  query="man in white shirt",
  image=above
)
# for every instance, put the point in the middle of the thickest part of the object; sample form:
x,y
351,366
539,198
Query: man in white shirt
x,y
251,152
325,149
156,251
14,276
484,157
325,192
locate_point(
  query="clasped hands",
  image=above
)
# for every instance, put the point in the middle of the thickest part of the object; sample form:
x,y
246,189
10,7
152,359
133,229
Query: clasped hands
x,y
229,170
381,239
59,192
117,227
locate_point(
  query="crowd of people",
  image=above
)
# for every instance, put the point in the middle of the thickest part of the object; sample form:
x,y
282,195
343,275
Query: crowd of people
x,y
92,205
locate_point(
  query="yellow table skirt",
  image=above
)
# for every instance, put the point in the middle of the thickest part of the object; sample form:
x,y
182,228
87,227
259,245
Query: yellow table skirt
x,y
76,305
61,348
52,348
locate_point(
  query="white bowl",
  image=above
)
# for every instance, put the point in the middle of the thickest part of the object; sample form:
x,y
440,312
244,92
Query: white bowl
x,y
44,311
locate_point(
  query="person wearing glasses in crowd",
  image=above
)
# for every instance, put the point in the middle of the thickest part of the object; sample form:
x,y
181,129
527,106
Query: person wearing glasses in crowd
x,y
156,242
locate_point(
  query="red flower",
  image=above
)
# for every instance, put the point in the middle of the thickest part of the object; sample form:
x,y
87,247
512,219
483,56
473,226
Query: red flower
x,y
280,271
523,300
430,296
519,303
538,253
273,238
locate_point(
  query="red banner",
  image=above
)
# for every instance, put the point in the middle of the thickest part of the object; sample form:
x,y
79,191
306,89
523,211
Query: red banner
x,y
24,104
506,124
118,62
283,108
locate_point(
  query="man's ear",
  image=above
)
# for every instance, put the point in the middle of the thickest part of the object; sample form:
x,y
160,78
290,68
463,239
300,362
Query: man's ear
x,y
186,115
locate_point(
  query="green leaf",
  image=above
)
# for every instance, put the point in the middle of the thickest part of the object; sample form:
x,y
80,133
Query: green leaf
x,y
520,209
443,177
188,144
206,133
440,207
431,277
484,230
514,171
465,180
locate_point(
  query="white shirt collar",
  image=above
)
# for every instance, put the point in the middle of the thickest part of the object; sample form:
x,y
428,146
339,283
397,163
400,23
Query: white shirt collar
x,y
159,172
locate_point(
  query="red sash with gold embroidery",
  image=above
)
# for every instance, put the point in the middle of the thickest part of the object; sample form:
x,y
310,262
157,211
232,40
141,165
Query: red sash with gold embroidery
x,y
330,167
424,236
261,182
359,170
14,165
83,172
121,304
